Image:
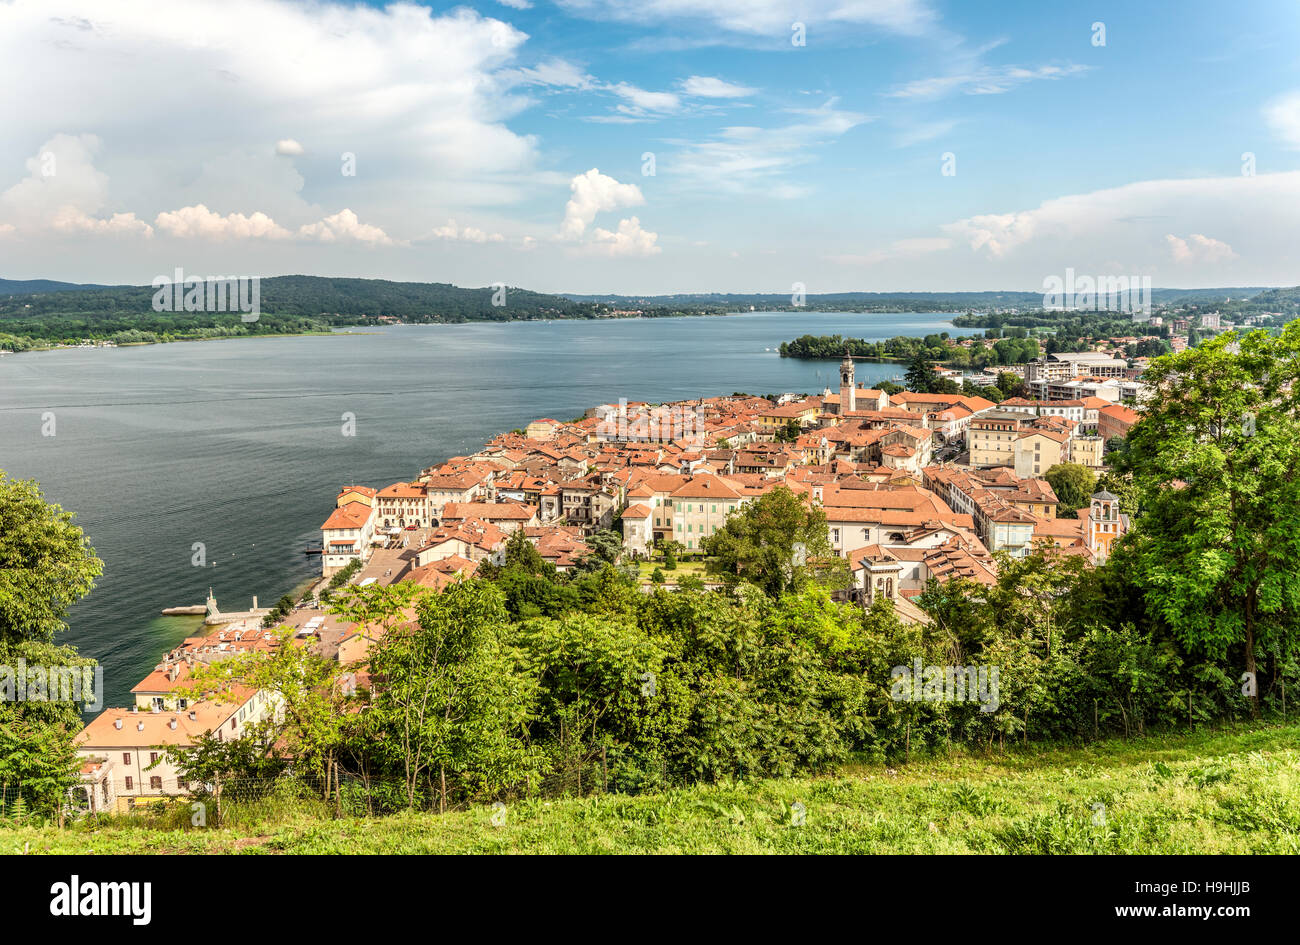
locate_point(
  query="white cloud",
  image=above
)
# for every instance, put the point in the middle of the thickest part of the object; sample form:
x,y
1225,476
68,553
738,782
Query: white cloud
x,y
766,17
986,80
1283,116
641,102
516,4
64,191
629,240
72,221
748,159
345,227
198,222
1198,248
421,94
594,192
468,234
557,73
703,86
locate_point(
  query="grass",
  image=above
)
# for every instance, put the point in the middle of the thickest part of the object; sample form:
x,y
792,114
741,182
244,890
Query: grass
x,y
1233,791
694,566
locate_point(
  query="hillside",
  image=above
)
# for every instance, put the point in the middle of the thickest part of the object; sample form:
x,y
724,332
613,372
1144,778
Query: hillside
x,y
1236,791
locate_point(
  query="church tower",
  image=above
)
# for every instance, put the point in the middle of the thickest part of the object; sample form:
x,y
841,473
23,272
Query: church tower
x,y
848,390
1105,524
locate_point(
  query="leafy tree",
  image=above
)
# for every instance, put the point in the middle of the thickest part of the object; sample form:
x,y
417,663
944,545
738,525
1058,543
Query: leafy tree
x,y
46,564
606,545
919,377
446,698
777,542
1216,538
1074,485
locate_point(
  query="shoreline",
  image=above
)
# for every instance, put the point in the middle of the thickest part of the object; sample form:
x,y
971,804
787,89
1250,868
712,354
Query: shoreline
x,y
371,329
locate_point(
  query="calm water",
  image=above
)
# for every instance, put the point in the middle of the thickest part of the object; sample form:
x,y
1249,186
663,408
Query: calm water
x,y
238,444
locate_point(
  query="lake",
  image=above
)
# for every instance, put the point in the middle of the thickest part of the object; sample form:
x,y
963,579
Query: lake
x,y
239,444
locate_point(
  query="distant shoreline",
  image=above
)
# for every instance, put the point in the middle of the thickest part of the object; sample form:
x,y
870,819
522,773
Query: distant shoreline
x,y
367,329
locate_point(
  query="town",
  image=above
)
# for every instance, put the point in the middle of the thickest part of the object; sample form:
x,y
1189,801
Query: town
x,y
915,487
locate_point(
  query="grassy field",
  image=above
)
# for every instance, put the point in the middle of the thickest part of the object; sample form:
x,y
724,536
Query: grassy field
x,y
1235,791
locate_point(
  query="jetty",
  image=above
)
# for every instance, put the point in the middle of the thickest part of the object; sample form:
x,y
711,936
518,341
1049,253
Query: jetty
x,y
197,610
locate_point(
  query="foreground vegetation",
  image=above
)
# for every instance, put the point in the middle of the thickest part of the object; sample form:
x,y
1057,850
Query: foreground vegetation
x,y
1232,791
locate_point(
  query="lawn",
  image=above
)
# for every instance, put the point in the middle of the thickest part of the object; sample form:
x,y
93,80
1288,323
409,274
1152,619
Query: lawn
x,y
1233,791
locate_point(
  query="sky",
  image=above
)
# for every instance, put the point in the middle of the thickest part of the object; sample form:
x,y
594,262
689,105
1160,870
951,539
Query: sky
x,y
653,146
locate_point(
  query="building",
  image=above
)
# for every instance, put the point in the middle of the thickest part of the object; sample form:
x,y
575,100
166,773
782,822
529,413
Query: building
x,y
1105,523
124,751
1115,420
991,437
1037,451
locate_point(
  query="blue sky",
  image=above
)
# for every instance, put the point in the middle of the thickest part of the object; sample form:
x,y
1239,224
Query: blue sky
x,y
493,143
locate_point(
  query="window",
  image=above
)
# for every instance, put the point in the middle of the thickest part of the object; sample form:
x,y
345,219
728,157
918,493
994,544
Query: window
x,y
155,783
130,783
153,757
126,757
182,785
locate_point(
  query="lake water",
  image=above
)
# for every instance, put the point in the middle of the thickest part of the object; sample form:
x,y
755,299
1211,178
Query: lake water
x,y
239,445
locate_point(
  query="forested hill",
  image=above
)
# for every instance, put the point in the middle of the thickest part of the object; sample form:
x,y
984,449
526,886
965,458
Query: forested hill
x,y
319,296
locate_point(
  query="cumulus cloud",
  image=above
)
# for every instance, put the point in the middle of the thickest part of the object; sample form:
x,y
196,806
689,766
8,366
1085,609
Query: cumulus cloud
x,y
1283,116
73,221
467,234
628,240
345,227
593,193
198,222
1198,248
703,86
419,90
63,192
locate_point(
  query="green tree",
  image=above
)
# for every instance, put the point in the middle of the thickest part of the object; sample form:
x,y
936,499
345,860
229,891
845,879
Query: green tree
x,y
46,564
1216,538
777,542
1073,484
452,711
920,376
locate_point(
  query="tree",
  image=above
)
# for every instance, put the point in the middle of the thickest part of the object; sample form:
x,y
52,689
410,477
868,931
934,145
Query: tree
x,y
1011,384
919,376
447,699
46,564
777,542
606,545
1073,484
1216,537
788,433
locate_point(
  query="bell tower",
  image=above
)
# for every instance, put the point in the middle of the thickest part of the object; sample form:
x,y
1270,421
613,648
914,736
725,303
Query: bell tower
x,y
848,390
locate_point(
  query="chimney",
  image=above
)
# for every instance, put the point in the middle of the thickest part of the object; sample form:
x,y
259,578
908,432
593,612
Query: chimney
x,y
172,725
139,726
172,672
194,716
154,709
117,723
